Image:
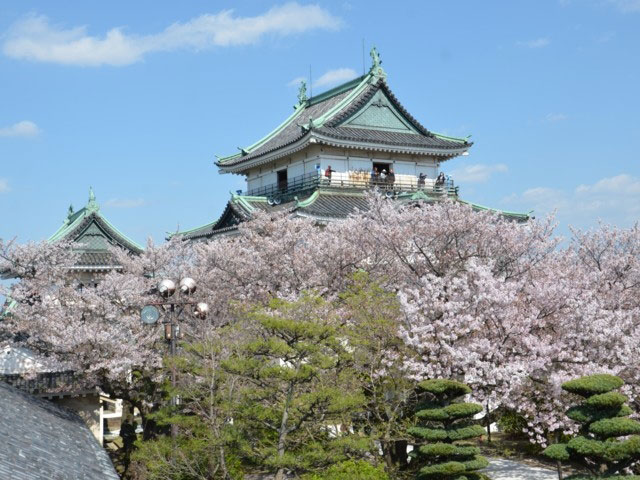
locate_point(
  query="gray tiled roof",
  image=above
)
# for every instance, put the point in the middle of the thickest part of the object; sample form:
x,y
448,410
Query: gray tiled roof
x,y
334,206
233,214
389,138
96,259
42,441
293,131
328,204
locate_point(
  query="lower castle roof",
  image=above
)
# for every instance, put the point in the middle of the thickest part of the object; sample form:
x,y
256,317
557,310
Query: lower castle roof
x,y
324,204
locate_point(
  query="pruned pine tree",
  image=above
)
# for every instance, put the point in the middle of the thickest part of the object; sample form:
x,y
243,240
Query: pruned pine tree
x,y
298,389
442,450
608,442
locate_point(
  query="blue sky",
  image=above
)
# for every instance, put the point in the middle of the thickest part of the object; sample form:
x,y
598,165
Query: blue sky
x,y
136,98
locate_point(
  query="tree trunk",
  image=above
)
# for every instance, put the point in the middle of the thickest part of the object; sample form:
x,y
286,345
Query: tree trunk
x,y
282,431
558,464
386,452
488,424
223,464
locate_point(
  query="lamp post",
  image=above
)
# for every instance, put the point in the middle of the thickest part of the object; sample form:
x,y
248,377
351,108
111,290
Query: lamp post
x,y
150,315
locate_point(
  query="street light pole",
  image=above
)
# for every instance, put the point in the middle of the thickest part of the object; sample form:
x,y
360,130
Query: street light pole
x,y
150,315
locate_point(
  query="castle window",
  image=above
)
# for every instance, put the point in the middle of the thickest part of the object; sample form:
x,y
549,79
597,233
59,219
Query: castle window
x,y
282,179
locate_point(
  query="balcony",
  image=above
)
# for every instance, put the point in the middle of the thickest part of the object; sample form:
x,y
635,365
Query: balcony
x,y
351,180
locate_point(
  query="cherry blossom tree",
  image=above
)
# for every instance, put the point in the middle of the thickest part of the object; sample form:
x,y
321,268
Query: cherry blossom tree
x,y
502,306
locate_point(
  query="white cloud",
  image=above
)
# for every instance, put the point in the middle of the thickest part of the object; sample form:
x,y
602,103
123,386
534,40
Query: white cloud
x,y
626,6
536,43
329,78
4,185
296,81
333,77
555,117
34,38
542,200
620,185
125,202
477,173
24,128
613,199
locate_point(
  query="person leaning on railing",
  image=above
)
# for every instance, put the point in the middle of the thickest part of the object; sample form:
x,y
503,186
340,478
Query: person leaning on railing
x,y
327,174
421,178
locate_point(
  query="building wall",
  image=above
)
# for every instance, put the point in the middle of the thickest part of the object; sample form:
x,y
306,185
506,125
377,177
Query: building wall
x,y
89,408
296,169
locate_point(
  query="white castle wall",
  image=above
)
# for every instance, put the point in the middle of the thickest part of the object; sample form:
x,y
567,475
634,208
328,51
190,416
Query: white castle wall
x,y
406,167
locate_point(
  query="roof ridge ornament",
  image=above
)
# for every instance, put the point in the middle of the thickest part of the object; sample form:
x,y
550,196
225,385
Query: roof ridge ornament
x,y
92,205
302,94
376,64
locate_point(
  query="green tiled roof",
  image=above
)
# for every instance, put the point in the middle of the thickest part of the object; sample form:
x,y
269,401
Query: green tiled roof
x,y
363,110
323,204
94,234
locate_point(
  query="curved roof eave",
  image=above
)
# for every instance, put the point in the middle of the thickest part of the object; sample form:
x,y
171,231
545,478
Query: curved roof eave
x,y
359,83
70,228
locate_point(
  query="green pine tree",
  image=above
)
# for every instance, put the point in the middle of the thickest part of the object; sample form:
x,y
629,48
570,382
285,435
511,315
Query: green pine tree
x,y
445,423
298,389
203,440
373,317
603,417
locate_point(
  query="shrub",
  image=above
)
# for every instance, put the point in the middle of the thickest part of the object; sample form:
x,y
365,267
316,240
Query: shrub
x,y
444,423
603,417
351,469
512,423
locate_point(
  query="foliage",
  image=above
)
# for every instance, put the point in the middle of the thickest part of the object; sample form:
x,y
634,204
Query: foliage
x,y
445,423
195,436
592,385
299,389
372,317
602,420
351,469
512,423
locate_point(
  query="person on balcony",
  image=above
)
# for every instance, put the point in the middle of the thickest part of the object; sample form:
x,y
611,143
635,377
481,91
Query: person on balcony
x,y
327,174
374,176
421,178
440,179
391,178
